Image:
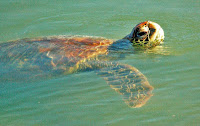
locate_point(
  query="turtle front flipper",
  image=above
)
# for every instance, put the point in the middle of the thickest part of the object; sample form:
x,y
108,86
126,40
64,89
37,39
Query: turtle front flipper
x,y
129,82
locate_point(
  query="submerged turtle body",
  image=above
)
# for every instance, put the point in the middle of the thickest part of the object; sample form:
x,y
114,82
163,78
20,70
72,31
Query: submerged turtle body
x,y
36,58
44,57
51,55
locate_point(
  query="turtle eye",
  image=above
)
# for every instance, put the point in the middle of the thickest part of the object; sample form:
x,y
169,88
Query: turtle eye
x,y
152,30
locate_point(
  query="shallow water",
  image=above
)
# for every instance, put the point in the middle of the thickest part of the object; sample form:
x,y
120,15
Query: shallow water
x,y
84,98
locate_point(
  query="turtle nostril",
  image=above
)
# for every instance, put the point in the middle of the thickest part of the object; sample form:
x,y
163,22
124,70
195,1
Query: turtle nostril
x,y
142,33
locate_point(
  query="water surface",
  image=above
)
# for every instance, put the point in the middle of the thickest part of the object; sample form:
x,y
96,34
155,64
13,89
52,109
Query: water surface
x,y
84,98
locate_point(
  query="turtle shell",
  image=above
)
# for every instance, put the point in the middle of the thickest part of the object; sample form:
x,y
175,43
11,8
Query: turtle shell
x,y
49,55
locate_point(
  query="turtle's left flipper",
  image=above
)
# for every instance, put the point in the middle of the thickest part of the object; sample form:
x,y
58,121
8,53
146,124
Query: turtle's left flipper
x,y
129,82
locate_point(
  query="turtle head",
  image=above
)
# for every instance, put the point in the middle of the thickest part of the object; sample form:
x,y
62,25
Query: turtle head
x,y
146,32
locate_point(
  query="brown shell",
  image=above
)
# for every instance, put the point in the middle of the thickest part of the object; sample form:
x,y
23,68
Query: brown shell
x,y
76,48
49,54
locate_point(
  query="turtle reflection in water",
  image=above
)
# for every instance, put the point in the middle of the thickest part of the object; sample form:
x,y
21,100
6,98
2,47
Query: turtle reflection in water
x,y
45,57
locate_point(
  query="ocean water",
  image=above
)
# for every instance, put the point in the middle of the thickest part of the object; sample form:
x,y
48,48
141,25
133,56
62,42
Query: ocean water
x,y
84,98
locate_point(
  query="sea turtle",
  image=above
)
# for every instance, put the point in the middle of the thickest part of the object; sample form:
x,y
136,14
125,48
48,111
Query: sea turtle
x,y
44,57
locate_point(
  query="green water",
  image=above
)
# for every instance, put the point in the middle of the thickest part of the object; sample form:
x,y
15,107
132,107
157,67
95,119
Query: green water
x,y
84,98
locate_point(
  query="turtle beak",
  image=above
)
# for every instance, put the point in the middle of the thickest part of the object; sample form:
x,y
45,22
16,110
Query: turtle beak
x,y
142,31
139,33
142,35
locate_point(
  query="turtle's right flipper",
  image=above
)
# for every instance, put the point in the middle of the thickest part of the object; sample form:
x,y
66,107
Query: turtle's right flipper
x,y
129,82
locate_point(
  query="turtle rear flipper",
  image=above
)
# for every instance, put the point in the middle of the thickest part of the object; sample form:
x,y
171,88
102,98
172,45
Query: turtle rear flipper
x,y
129,82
